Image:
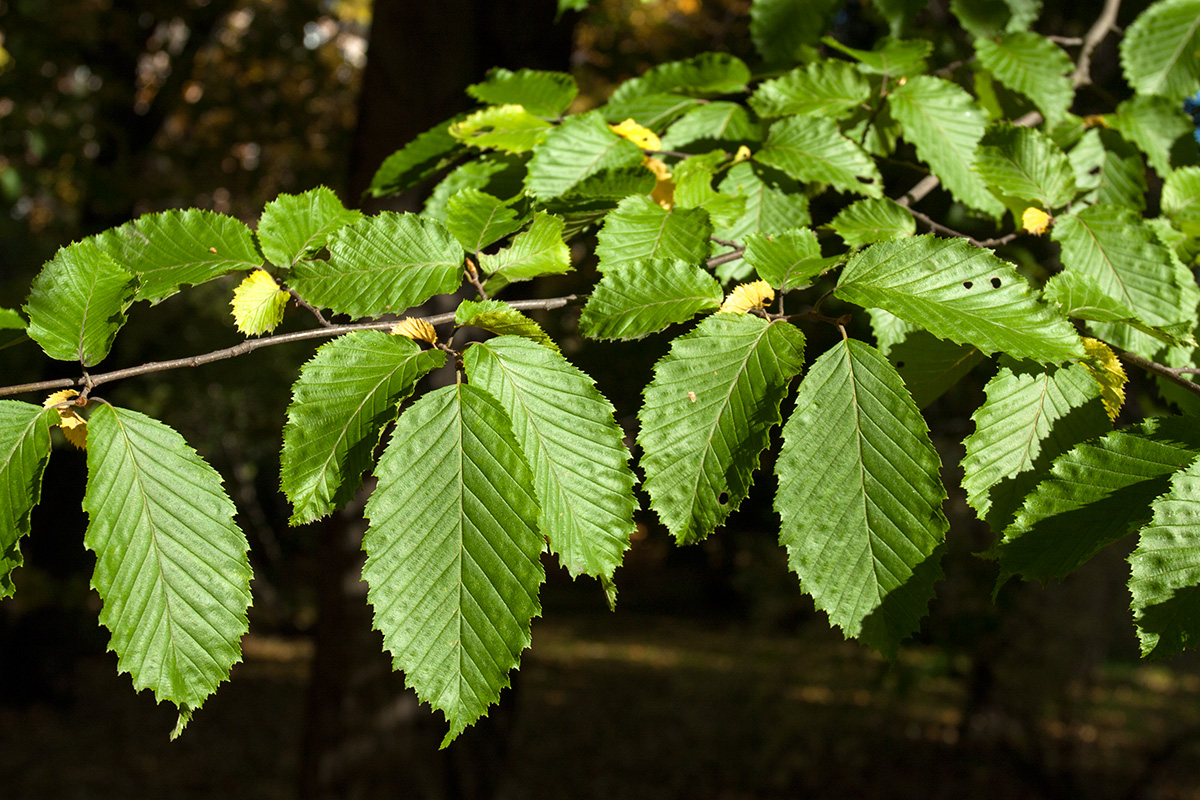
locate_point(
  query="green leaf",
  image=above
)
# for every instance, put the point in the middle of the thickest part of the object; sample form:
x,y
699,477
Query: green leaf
x,y
988,18
1154,124
453,551
540,250
646,297
10,320
171,566
296,225
607,185
930,366
788,260
1109,169
860,497
708,414
546,94
1024,163
811,149
24,451
432,150
1030,418
873,220
345,396
177,248
891,57
1181,199
582,146
889,330
782,30
719,122
497,174
509,128
382,264
653,111
478,219
825,88
587,504
1080,297
1165,570
1031,65
502,319
77,304
959,292
705,75
945,124
1160,53
641,229
1096,494
774,204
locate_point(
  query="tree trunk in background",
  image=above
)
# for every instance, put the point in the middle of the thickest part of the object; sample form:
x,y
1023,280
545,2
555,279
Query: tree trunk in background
x,y
366,736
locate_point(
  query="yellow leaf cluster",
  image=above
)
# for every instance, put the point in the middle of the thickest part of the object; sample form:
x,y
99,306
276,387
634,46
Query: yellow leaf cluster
x,y
640,135
417,329
258,303
747,296
74,427
1105,368
1035,221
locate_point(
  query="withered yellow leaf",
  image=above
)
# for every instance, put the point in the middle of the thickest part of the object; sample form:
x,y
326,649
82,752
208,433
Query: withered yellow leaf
x,y
640,135
747,296
415,329
1105,368
664,190
258,303
1035,221
74,427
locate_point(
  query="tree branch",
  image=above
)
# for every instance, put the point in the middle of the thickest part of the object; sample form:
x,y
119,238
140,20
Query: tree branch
x,y
250,345
1106,22
1173,374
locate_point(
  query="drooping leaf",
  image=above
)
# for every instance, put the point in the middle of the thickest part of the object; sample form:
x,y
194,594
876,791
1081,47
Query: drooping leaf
x,y
640,229
945,124
1080,297
1096,494
782,29
546,94
646,297
1025,163
171,565
77,303
707,416
538,251
719,122
509,128
178,248
788,260
1154,124
1109,169
382,264
478,219
1032,65
582,146
825,88
296,225
930,366
1181,199
557,413
962,293
872,220
1105,368
452,551
1160,52
345,396
258,303
24,451
705,75
502,319
432,150
892,57
811,149
860,497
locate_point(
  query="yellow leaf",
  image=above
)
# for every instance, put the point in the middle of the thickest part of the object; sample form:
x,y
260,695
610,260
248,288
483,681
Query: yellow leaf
x,y
742,154
642,136
747,296
415,329
1094,120
258,303
74,427
1105,368
664,191
1035,221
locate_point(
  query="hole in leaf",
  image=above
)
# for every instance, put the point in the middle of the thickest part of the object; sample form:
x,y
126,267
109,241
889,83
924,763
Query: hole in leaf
x,y
995,283
1094,170
899,365
723,498
864,179
967,284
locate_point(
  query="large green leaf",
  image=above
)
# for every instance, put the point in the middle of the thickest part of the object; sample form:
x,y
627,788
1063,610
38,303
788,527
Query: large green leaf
x,y
860,496
641,229
177,248
873,220
782,30
959,292
453,551
826,88
1080,297
1094,495
171,566
646,297
1025,163
501,319
788,260
693,179
24,451
708,414
1154,124
582,146
705,75
509,128
945,124
344,397
546,94
478,219
1165,570
538,251
1109,169
1160,52
432,150
1031,65
295,225
581,474
719,121
77,303
382,264
811,149
1030,418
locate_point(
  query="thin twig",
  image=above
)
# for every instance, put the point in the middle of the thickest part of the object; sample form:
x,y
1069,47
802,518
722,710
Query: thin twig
x,y
1173,374
1066,41
672,153
938,227
725,258
316,312
473,277
250,345
725,242
1106,22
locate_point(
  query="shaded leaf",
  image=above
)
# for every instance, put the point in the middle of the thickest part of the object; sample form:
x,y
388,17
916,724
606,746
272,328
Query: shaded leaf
x,y
930,366
1154,124
582,146
1160,52
892,57
24,451
432,150
705,75
478,219
1032,65
811,149
781,29
1109,169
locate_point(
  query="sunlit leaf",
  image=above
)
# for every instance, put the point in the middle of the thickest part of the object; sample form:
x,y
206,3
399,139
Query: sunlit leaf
x,y
646,297
1160,52
540,250
294,226
872,220
582,146
543,93
787,260
1031,65
825,88
811,149
1154,124
258,303
478,219
1024,163
509,128
502,319
640,229
24,451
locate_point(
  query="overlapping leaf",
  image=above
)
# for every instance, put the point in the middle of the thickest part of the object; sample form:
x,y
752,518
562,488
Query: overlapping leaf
x,y
582,146
781,29
892,57
826,88
1025,163
1181,199
540,250
509,128
1109,169
653,111
640,229
811,149
788,260
1160,52
478,219
1154,124
705,75
930,366
646,297
1080,297
1031,65
541,92
24,451
860,497
718,121
295,225
430,151
502,319
774,204
873,220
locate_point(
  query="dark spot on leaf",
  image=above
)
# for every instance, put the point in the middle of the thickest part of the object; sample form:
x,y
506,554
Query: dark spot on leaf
x,y
899,365
864,179
995,283
1094,170
723,498
967,284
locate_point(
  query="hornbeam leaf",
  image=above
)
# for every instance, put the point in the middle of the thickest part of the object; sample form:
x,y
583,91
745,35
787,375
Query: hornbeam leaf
x,y
643,299
432,150
382,264
860,497
825,88
502,319
873,220
653,111
1154,124
1109,169
641,229
811,149
1025,163
707,416
558,415
1165,570
509,128
1160,52
705,75
774,204
892,57
77,303
171,566
177,248
1081,297
930,366
546,94
295,225
453,551
477,219
720,122
788,260
782,29
497,174
1094,495
961,293
533,253
582,146
945,125
1030,418
345,396
1181,199
12,327
24,451
1031,65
